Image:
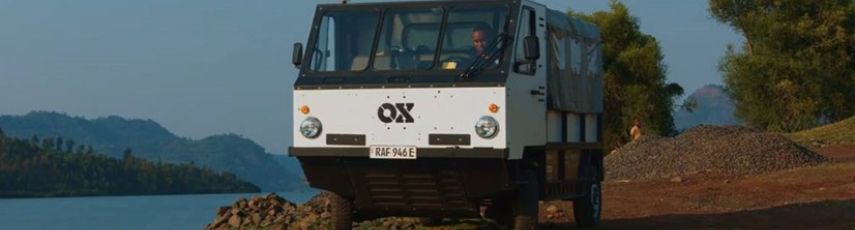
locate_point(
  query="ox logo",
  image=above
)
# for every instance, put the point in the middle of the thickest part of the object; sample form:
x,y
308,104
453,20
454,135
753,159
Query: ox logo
x,y
399,113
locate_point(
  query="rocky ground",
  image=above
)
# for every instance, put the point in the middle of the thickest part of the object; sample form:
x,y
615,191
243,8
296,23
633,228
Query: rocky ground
x,y
274,212
706,178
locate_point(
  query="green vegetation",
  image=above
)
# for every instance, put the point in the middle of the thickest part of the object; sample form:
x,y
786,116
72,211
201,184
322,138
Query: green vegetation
x,y
635,84
150,141
796,68
840,132
33,168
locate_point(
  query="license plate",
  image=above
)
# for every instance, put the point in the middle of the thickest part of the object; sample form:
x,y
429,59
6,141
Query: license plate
x,y
392,152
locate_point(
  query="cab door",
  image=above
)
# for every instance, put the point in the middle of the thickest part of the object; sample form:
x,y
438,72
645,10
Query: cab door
x,y
526,83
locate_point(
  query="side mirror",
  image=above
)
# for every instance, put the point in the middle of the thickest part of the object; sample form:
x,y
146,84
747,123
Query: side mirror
x,y
297,54
531,48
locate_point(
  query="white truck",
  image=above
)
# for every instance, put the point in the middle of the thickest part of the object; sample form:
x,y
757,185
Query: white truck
x,y
448,109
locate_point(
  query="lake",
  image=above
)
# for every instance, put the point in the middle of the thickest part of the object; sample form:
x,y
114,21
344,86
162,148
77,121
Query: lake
x,y
121,212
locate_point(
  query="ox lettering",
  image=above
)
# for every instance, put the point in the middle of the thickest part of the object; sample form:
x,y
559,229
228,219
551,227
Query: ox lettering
x,y
398,113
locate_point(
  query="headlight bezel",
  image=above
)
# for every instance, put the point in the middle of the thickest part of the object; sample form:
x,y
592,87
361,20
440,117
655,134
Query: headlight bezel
x,y
487,121
311,123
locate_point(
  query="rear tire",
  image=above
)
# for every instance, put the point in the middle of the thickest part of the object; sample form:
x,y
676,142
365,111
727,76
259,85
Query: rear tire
x,y
342,213
587,209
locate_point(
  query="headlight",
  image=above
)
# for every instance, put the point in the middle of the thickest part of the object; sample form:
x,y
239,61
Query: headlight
x,y
311,127
487,127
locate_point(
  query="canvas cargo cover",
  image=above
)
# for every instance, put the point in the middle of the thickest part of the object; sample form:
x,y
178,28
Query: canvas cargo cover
x,y
574,51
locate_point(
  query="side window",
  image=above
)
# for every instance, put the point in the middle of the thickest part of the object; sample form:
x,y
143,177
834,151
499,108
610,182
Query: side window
x,y
324,60
526,28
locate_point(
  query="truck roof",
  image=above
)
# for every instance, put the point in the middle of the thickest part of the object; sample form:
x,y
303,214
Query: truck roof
x,y
413,3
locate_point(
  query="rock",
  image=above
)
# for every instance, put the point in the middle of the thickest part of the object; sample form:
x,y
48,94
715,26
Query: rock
x,y
280,219
223,210
255,218
235,221
677,179
551,208
220,221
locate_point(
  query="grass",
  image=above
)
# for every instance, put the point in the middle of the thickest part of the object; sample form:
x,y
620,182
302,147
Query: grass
x,y
841,132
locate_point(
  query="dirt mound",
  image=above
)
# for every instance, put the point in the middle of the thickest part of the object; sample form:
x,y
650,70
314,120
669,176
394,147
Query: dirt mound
x,y
275,212
709,150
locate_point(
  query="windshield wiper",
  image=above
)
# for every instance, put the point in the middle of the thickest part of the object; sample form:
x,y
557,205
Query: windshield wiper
x,y
495,49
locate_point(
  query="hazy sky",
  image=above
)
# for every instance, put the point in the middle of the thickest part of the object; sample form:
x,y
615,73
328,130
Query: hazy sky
x,y
203,67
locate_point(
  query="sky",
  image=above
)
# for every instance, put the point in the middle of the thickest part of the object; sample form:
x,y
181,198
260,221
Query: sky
x,y
205,67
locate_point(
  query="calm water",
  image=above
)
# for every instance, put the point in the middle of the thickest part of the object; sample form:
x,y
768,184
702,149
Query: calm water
x,y
121,212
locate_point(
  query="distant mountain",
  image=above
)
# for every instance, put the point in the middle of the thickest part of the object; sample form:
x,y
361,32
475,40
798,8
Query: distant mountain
x,y
714,107
148,140
36,167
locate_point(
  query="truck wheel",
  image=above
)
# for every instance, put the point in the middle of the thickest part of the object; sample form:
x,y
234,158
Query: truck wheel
x,y
499,211
342,213
587,208
526,205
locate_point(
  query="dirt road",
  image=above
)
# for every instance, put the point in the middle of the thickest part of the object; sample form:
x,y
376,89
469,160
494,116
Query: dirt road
x,y
820,197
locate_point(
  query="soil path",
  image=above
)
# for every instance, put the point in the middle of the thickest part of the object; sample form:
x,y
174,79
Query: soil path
x,y
819,197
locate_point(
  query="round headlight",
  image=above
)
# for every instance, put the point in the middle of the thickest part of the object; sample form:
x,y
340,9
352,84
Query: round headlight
x,y
311,127
487,127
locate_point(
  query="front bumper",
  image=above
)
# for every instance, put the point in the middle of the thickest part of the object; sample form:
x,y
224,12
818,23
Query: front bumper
x,y
429,186
480,153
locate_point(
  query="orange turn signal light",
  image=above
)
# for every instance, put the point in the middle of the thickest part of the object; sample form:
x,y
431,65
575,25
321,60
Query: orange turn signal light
x,y
304,109
493,108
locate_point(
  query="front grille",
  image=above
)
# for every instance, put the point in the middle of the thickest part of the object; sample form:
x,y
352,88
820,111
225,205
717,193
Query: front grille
x,y
414,190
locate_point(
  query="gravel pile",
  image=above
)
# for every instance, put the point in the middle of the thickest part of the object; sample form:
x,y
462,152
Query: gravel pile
x,y
707,150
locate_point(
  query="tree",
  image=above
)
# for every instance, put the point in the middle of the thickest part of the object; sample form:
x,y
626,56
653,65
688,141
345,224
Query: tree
x,y
796,68
59,144
635,76
69,146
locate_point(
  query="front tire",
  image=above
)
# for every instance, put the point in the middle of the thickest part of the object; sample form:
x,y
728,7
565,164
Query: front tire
x,y
342,213
526,206
587,209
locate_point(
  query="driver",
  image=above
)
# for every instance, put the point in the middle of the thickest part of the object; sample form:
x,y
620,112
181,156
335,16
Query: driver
x,y
481,37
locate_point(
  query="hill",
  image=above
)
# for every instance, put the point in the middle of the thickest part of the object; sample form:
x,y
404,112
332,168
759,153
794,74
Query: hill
x,y
714,107
840,132
40,167
149,140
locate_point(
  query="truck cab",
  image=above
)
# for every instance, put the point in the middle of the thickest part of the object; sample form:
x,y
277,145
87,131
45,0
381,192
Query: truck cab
x,y
442,108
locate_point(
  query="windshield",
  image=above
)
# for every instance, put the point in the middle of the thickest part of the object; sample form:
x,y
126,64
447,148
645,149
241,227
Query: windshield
x,y
344,40
408,39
